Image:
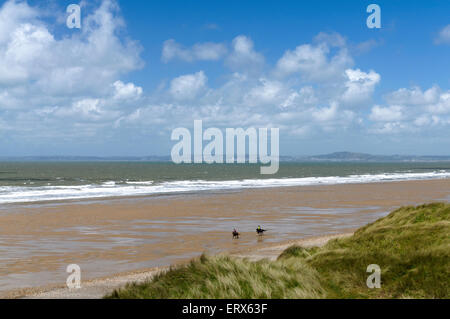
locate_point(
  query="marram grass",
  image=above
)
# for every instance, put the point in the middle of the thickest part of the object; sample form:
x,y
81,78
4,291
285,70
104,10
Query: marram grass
x,y
226,277
411,246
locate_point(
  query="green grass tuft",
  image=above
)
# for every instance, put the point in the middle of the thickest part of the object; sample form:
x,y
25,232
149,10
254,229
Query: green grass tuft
x,y
226,277
297,251
412,247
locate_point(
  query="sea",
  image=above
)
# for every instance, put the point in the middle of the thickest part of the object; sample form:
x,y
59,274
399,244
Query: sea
x,y
24,182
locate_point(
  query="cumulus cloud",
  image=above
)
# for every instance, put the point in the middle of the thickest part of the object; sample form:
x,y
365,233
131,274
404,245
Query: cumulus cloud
x,y
266,99
414,96
87,110
81,64
127,91
412,110
389,128
314,62
243,55
46,79
304,97
326,114
386,114
266,92
428,120
442,106
11,12
207,51
188,86
305,58
359,85
64,86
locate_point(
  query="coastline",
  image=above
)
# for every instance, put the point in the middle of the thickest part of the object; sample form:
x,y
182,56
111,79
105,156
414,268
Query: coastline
x,y
202,193
117,237
120,190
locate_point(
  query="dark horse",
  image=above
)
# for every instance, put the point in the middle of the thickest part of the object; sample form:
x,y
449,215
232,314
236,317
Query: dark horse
x,y
235,234
260,231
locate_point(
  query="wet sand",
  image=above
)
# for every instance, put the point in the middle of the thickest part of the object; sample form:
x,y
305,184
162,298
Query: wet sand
x,y
107,237
98,288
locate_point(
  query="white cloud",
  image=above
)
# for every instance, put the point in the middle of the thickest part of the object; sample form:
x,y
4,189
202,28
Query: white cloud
x,y
207,51
307,95
359,86
81,64
412,110
389,128
19,53
55,86
386,114
265,99
313,62
266,92
244,56
444,35
188,86
290,100
442,106
427,120
88,108
414,96
305,58
331,119
304,97
46,79
11,12
126,91
326,114
83,110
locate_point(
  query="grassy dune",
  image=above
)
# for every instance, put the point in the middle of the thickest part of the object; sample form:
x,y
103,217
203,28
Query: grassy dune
x,y
411,246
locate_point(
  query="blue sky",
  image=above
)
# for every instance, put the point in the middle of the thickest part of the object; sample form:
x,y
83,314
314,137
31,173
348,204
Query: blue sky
x,y
138,69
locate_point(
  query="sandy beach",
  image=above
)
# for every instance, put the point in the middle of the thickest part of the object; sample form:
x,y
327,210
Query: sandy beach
x,y
97,288
130,239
